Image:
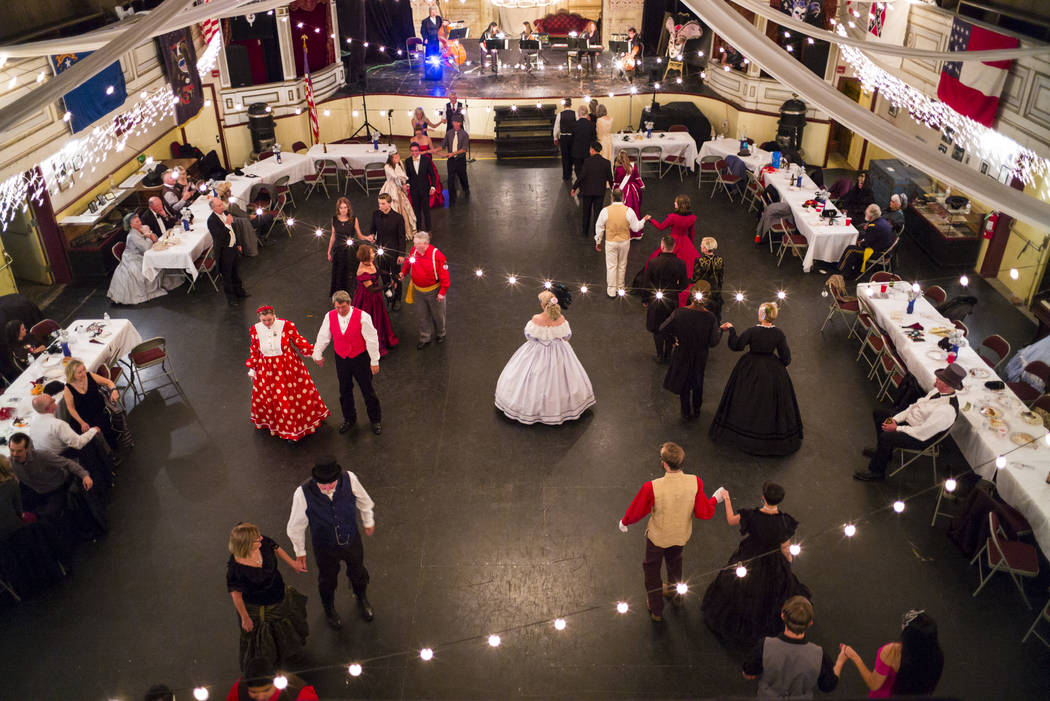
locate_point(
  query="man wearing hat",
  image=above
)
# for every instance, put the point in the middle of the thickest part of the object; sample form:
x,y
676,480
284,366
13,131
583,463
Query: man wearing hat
x,y
329,503
455,146
916,427
259,684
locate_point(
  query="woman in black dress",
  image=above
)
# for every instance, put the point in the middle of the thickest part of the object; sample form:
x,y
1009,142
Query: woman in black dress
x,y
344,230
742,610
85,403
758,412
272,614
21,344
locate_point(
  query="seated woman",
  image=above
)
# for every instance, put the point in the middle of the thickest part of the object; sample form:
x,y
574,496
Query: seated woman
x,y
129,284
493,32
21,344
857,198
528,56
86,404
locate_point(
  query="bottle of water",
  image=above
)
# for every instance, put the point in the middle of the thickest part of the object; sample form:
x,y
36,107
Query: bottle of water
x,y
277,152
105,316
63,340
185,219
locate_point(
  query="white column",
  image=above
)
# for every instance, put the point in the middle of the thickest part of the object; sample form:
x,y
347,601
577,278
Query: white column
x,y
286,41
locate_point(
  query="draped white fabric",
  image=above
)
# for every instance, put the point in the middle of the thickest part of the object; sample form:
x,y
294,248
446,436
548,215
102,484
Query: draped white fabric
x,y
743,35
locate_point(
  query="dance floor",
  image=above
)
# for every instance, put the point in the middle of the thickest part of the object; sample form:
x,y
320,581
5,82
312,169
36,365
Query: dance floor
x,y
484,525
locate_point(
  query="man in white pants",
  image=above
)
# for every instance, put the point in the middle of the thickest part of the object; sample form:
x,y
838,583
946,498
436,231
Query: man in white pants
x,y
615,223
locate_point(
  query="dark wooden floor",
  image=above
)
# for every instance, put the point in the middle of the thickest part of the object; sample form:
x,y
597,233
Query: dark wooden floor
x,y
484,525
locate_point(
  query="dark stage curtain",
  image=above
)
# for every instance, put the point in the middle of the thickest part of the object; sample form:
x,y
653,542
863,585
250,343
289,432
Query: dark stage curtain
x,y
381,24
318,44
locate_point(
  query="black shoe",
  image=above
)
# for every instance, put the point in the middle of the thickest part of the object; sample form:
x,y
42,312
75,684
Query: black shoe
x,y
868,452
396,305
232,301
346,426
868,476
440,339
377,428
365,608
333,618
243,295
422,344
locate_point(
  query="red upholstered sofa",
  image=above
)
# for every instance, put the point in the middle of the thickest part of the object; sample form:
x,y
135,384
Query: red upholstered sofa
x,y
560,23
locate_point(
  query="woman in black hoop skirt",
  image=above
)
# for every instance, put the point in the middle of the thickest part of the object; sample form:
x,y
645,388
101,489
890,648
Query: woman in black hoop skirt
x,y
741,610
345,233
758,412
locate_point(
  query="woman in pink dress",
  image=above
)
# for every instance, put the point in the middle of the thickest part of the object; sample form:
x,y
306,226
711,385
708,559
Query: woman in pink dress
x,y
368,297
910,667
284,398
682,221
630,183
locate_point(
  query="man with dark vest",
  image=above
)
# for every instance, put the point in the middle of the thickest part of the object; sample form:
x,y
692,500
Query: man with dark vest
x,y
329,503
673,500
665,276
593,179
452,108
354,338
583,135
563,126
227,250
259,684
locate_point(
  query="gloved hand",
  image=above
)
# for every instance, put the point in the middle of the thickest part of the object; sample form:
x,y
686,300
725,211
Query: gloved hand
x,y
619,524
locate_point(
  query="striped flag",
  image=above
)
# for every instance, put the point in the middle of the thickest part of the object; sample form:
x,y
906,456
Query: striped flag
x,y
209,27
315,128
972,88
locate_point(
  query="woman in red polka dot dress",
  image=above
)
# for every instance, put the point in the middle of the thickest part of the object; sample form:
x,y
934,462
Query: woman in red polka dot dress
x,y
284,398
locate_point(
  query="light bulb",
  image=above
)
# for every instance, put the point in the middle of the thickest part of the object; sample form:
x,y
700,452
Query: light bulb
x,y
681,588
964,281
319,233
426,654
870,291
898,506
741,571
659,295
547,284
698,296
1014,274
850,530
794,549
781,295
559,624
354,670
583,290
494,640
739,296
109,90
915,287
280,681
479,272
291,221
200,693
512,280
950,484
621,607
412,260
380,251
621,292
1000,462
258,211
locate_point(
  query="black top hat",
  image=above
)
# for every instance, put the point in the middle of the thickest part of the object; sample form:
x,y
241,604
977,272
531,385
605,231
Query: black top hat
x,y
952,375
326,469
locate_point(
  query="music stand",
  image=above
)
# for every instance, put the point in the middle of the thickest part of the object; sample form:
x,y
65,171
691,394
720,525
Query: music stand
x,y
494,44
529,44
530,48
618,47
458,33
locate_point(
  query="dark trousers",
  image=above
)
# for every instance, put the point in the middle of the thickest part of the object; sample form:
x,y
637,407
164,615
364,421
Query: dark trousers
x,y
590,208
691,395
229,264
421,206
651,567
850,262
389,269
886,441
565,142
329,558
94,457
457,169
356,368
577,165
664,344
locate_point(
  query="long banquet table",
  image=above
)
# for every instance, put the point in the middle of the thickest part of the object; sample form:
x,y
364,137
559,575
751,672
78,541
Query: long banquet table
x,y
295,165
187,247
357,155
1022,483
115,339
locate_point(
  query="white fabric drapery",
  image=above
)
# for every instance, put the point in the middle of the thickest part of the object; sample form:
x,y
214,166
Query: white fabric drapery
x,y
745,37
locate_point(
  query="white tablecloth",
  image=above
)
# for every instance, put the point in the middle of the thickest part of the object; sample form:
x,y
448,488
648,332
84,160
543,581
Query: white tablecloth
x,y
191,244
117,338
295,165
826,242
671,143
1022,483
358,155
730,147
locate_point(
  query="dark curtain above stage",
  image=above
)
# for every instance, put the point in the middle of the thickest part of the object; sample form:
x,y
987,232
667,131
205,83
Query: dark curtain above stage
x,y
386,24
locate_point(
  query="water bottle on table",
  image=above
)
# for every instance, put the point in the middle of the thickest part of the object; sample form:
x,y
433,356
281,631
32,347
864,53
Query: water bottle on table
x,y
185,220
277,152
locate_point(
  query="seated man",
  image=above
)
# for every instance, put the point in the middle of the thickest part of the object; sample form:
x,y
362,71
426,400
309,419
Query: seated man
x,y
158,217
45,473
55,436
917,426
787,665
173,194
257,684
895,215
876,234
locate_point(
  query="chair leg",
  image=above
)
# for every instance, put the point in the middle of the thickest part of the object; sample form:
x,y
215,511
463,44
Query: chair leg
x,y
10,590
1020,588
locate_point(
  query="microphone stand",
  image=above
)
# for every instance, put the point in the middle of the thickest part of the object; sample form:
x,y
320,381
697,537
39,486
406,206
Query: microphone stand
x,y
368,126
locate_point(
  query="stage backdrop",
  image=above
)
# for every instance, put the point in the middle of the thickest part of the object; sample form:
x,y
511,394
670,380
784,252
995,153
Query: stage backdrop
x,y
382,23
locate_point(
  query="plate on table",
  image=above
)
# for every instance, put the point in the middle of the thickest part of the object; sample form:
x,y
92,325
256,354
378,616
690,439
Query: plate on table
x,y
21,423
991,412
980,373
1011,402
998,425
1031,418
936,354
1021,438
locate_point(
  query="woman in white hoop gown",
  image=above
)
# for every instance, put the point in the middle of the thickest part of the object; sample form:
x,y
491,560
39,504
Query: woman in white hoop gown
x,y
544,382
396,179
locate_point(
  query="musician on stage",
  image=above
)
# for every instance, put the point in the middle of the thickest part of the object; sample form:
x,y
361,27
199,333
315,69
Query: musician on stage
x,y
528,56
429,30
632,60
493,32
590,32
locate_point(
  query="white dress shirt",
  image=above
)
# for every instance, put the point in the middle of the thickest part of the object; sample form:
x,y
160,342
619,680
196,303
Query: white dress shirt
x,y
297,521
52,434
368,330
927,416
599,225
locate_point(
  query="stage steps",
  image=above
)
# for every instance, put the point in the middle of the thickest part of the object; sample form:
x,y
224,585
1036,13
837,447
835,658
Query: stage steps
x,y
525,131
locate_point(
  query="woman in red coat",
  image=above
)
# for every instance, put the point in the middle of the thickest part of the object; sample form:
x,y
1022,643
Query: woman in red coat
x,y
284,397
682,222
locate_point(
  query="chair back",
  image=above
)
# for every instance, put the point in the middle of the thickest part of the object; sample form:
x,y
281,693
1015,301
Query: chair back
x,y
263,155
413,44
631,152
346,164
994,344
150,352
118,250
44,328
678,127
883,276
1042,403
375,170
651,153
936,294
299,146
1036,368
961,326
282,200
282,181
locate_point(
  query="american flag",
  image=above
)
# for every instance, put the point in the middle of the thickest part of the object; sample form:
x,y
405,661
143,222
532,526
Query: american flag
x,y
315,128
877,18
972,88
209,27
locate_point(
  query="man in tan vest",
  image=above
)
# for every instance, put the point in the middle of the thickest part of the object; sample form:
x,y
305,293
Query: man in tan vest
x,y
615,224
673,500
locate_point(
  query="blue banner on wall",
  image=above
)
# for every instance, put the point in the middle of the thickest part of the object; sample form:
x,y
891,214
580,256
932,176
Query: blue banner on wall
x,y
96,98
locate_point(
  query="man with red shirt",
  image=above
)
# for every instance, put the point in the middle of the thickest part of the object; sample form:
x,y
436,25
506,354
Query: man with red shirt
x,y
355,341
261,683
673,500
430,280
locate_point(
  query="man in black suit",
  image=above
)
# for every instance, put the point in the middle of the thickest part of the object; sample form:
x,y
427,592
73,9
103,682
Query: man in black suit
x,y
388,228
594,177
583,135
667,275
563,125
452,108
695,330
227,250
158,217
420,171
428,31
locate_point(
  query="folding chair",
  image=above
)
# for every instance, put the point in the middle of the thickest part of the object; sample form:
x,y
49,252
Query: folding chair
x,y
673,161
753,192
993,350
281,187
1024,391
725,179
884,261
114,373
118,250
936,295
791,241
845,309
961,326
206,266
707,170
1015,558
414,51
876,343
300,146
349,174
45,327
1044,615
315,179
787,225
278,216
931,451
374,173
151,353
678,127
894,375
263,155
885,276
631,152
649,160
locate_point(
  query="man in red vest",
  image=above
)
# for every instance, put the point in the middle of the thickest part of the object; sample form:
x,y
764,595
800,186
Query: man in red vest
x,y
428,271
355,341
